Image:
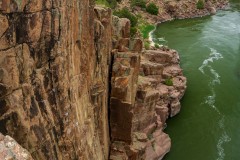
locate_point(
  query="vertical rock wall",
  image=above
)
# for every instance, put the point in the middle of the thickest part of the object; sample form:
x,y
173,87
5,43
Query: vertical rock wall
x,y
54,77
72,80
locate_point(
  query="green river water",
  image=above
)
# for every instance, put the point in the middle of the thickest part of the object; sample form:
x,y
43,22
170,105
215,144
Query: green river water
x,y
208,126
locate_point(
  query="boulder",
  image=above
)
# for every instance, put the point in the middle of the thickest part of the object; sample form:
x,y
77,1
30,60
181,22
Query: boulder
x,y
172,6
10,149
136,45
212,10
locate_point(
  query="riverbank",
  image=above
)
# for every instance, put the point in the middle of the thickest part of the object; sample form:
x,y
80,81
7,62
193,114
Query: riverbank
x,y
177,13
170,10
155,46
208,49
193,12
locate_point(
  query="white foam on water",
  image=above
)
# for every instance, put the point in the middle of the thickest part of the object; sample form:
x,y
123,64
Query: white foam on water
x,y
210,100
216,79
221,123
150,35
162,39
223,139
214,55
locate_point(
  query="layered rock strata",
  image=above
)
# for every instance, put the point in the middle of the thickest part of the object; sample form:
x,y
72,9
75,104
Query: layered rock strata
x,y
139,113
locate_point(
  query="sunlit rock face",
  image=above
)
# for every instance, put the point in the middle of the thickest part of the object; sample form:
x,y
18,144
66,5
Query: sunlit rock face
x,y
54,64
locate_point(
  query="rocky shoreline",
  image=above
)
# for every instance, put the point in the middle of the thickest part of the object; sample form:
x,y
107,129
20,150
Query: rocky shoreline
x,y
171,10
156,100
194,13
157,66
157,83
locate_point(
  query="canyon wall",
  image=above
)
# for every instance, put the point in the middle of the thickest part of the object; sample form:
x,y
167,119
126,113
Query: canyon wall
x,y
74,85
54,65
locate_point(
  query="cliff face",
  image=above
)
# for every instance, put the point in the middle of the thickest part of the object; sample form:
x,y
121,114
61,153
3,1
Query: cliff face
x,y
71,79
54,77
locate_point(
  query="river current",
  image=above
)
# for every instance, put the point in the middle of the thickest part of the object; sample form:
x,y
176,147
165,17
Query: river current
x,y
208,126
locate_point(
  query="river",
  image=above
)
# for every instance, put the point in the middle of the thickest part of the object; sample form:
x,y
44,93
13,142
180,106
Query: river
x,y
208,126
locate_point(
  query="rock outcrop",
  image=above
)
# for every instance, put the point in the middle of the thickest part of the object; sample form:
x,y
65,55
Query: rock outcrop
x,y
54,67
141,104
74,85
11,150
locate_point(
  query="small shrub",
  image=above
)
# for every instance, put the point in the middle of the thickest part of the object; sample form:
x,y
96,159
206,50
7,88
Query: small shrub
x,y
156,45
146,29
133,31
139,3
108,3
152,9
102,2
124,13
141,73
139,16
168,82
147,45
150,136
112,3
153,145
200,4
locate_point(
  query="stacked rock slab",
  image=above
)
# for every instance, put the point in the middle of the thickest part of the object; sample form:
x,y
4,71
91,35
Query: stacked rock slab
x,y
140,100
125,71
155,66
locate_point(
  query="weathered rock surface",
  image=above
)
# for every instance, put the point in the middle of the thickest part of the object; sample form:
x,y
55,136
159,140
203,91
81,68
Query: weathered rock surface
x,y
11,150
141,101
71,77
54,64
